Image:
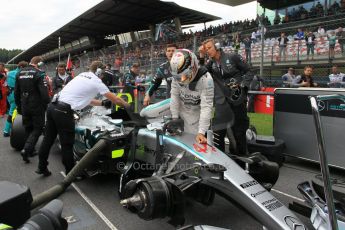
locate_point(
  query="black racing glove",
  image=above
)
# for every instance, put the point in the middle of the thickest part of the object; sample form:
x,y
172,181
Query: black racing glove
x,y
106,103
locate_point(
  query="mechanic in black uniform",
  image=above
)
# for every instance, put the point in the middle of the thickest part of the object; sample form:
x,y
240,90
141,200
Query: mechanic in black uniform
x,y
76,95
231,78
130,79
107,76
31,97
61,78
163,72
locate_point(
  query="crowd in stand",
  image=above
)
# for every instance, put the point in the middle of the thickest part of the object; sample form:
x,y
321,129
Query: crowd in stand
x,y
335,80
243,37
315,11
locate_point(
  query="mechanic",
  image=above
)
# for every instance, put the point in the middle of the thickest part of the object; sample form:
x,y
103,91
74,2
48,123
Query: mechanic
x,y
192,93
130,79
76,95
31,97
163,72
61,78
232,78
108,77
11,81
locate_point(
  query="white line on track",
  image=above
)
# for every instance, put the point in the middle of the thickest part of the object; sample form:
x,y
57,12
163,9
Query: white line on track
x,y
288,195
92,205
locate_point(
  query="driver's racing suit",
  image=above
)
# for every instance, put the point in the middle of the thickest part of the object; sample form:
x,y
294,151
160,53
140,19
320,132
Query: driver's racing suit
x,y
193,102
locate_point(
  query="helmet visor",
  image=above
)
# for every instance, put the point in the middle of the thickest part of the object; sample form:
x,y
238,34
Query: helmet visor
x,y
185,77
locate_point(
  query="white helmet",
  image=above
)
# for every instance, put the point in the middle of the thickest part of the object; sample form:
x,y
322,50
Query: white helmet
x,y
184,66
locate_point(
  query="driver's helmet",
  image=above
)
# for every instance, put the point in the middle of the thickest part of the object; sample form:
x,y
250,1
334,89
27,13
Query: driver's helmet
x,y
184,66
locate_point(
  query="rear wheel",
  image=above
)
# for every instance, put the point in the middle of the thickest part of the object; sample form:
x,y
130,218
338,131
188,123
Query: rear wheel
x,y
17,139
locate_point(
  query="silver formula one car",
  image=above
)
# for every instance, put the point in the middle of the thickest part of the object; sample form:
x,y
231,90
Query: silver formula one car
x,y
161,166
183,168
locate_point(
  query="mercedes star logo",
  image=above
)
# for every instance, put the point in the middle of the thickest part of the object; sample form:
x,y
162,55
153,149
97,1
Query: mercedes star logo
x,y
293,223
321,105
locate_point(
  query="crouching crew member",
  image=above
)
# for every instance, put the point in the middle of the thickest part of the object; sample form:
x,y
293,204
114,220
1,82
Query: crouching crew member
x,y
231,78
11,82
31,97
192,92
76,95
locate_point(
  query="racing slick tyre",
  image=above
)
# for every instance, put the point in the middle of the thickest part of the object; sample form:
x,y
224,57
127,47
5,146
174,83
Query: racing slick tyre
x,y
17,138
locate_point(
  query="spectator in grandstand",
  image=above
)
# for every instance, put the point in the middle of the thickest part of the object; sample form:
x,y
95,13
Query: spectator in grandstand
x,y
130,79
310,41
319,9
258,35
236,44
247,48
276,20
192,94
289,77
331,41
321,31
163,72
334,8
302,12
300,34
294,14
78,94
341,40
342,5
231,77
3,90
282,46
305,79
61,78
336,79
313,12
253,37
108,77
31,97
11,81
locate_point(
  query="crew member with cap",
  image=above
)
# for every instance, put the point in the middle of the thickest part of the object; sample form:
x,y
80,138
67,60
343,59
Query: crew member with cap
x,y
163,72
11,81
76,95
31,97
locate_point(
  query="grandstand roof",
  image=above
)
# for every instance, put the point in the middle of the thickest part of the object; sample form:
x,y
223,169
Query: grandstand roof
x,y
115,17
278,4
232,2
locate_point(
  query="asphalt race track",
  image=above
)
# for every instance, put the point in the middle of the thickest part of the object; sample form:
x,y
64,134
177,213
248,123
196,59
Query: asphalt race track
x,y
94,203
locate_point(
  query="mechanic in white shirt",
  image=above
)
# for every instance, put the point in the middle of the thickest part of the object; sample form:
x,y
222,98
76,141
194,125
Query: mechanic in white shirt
x,y
336,79
76,95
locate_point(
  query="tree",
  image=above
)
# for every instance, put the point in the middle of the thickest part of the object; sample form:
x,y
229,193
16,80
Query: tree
x,y
6,55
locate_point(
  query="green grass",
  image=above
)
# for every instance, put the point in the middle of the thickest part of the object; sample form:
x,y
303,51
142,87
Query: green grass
x,y
262,122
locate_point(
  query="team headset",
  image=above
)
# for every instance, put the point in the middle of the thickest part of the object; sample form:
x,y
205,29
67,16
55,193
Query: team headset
x,y
217,45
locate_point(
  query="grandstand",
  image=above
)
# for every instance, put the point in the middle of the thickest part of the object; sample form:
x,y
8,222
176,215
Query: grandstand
x,y
282,16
